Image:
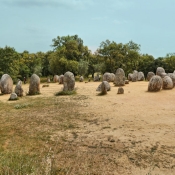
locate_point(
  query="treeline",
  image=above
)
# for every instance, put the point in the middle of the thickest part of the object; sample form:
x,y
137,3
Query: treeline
x,y
70,54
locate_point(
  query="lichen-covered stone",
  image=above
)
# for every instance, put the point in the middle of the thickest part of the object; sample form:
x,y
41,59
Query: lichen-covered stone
x,y
68,81
18,89
13,96
103,88
120,90
130,76
167,83
160,71
119,77
81,79
55,78
6,84
172,76
135,76
149,75
163,75
97,77
107,77
155,83
141,76
108,87
112,77
61,77
34,87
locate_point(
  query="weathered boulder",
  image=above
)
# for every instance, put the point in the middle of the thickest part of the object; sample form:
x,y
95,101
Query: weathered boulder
x,y
103,88
155,83
119,77
107,77
61,77
18,89
172,76
126,81
135,76
81,79
48,79
167,83
97,77
163,75
6,84
141,76
112,77
68,81
55,78
149,75
107,85
34,87
120,90
13,96
130,76
161,72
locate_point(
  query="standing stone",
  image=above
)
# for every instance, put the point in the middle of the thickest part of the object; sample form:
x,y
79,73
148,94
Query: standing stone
x,y
97,77
18,89
112,77
48,79
135,76
61,77
103,88
130,76
126,81
119,77
149,75
161,72
107,85
13,96
34,87
6,84
81,79
141,76
172,76
167,83
55,78
68,81
155,83
107,77
120,90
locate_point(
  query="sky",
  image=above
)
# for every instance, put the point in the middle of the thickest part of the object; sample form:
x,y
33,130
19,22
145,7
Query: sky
x,y
32,24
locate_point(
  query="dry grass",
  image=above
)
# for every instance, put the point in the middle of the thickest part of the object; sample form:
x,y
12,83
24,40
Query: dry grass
x,y
48,135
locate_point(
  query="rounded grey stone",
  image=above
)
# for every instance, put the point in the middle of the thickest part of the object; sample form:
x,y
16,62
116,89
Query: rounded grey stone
x,y
119,77
155,83
149,75
6,84
167,83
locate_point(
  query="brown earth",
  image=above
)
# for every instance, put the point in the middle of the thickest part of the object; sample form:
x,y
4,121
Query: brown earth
x,y
136,130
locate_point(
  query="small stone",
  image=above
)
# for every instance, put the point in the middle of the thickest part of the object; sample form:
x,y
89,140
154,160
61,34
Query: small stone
x,y
13,96
120,90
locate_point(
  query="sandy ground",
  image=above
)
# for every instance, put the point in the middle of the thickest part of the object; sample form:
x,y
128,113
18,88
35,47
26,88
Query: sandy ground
x,y
138,122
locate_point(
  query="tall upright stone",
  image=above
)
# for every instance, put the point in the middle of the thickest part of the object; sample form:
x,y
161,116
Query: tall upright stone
x,y
18,89
161,72
68,81
135,76
141,76
6,84
112,77
61,77
119,77
130,76
34,87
